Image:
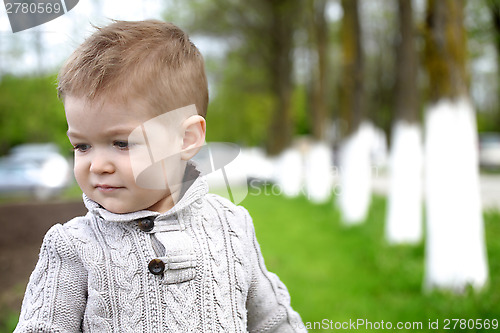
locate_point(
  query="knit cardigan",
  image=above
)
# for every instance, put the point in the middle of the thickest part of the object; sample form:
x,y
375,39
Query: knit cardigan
x,y
196,268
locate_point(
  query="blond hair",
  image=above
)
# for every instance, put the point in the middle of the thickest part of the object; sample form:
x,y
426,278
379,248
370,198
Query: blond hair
x,y
150,60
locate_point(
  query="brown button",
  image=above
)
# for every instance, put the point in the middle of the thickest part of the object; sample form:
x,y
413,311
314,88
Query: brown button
x,y
156,266
146,224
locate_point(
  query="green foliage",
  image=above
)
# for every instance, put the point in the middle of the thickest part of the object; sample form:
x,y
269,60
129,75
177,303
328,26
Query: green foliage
x,y
252,79
241,106
240,110
239,118
299,111
488,122
30,112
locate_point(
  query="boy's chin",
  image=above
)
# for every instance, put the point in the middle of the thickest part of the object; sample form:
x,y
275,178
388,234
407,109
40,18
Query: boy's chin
x,y
116,209
112,206
159,204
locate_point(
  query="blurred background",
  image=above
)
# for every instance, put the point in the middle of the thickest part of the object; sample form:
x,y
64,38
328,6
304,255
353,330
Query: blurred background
x,y
369,131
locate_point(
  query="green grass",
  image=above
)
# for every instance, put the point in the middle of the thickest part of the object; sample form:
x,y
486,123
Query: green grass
x,y
341,273
344,273
8,321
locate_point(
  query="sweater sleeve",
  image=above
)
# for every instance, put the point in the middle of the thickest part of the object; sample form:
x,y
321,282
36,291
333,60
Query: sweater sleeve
x,y
56,294
268,301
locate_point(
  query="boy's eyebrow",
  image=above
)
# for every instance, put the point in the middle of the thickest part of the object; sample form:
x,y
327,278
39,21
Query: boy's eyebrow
x,y
71,133
110,132
119,130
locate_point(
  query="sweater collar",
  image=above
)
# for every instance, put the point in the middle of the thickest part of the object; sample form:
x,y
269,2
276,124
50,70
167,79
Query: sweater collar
x,y
195,187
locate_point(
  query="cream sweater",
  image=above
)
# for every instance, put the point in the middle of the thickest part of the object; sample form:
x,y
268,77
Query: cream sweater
x,y
196,268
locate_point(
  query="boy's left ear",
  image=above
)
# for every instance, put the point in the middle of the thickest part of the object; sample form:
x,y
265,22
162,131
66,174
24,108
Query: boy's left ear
x,y
193,130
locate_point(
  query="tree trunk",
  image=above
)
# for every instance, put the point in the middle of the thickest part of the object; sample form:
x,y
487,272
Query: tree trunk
x,y
351,86
495,16
404,213
289,164
455,250
355,171
319,43
406,97
281,69
318,156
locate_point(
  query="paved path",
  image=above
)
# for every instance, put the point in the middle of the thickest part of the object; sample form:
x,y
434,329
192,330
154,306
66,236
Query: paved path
x,y
490,189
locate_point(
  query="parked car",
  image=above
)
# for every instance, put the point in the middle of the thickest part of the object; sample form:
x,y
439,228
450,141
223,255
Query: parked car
x,y
489,150
36,169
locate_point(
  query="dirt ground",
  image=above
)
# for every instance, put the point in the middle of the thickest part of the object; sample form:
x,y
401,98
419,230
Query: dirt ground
x,y
22,229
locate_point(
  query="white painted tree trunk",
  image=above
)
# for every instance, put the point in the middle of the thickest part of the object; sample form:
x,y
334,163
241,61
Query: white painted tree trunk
x,y
289,172
258,166
355,176
455,245
318,173
404,208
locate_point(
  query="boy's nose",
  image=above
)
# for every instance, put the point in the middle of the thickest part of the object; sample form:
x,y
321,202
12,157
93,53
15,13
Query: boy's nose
x,y
101,163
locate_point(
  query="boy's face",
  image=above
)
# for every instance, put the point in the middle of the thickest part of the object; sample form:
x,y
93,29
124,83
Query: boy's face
x,y
99,132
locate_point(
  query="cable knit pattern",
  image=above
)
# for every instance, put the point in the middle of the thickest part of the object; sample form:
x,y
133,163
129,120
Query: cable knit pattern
x,y
93,273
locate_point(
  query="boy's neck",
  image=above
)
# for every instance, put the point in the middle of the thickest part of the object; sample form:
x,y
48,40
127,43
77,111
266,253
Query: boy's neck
x,y
177,191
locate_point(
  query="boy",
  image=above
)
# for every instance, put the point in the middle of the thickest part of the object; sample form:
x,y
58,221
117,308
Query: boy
x,y
155,253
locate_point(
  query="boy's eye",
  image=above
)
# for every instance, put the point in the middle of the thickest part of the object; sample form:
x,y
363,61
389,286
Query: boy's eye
x,y
121,144
81,147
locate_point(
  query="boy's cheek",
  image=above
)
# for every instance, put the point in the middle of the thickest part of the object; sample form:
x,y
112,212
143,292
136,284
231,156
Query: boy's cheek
x,y
77,165
80,170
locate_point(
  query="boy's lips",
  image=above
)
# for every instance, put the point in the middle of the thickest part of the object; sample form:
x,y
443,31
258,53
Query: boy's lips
x,y
107,188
